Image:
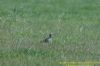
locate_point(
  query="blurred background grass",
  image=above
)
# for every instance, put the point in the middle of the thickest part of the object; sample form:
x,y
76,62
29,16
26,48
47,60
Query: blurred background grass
x,y
24,23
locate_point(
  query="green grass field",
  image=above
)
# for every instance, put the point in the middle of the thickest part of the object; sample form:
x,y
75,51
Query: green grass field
x,y
24,23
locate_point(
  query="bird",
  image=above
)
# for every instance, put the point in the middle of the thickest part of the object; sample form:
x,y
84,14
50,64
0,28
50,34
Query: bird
x,y
48,39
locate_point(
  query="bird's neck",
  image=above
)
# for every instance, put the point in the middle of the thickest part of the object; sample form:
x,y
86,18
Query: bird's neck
x,y
50,36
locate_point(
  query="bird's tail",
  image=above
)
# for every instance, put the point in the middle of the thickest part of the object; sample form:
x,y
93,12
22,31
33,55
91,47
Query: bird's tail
x,y
42,41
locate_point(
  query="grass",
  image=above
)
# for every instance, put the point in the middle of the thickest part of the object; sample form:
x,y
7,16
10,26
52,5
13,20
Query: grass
x,y
24,23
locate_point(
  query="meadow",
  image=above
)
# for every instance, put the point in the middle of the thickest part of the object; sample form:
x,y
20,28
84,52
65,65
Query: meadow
x,y
24,23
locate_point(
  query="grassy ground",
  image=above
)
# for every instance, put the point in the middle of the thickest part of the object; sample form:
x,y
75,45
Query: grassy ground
x,y
24,23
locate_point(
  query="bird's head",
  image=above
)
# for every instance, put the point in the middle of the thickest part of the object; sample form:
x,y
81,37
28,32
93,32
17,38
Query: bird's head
x,y
50,35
